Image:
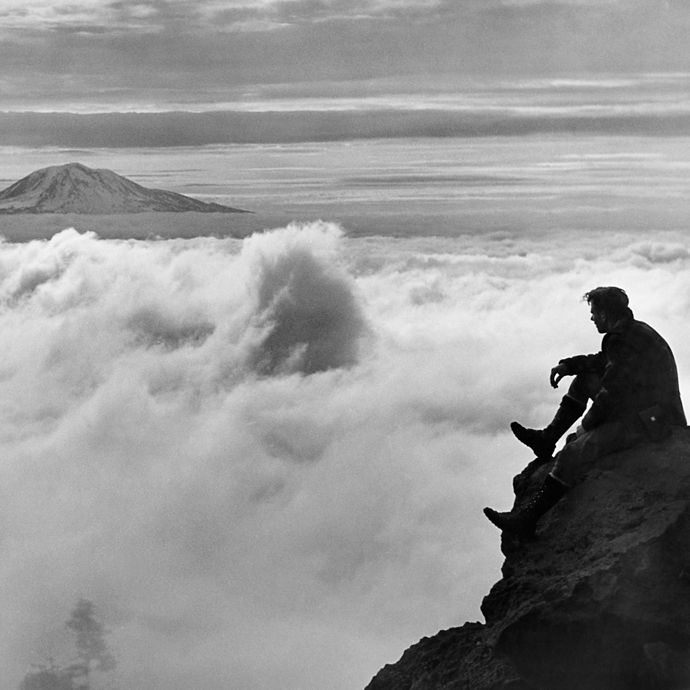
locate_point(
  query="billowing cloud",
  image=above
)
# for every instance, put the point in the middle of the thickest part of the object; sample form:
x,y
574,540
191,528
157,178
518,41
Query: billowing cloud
x,y
660,252
311,318
288,526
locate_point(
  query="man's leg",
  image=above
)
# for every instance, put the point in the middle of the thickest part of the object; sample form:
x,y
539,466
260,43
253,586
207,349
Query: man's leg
x,y
543,441
570,464
575,457
523,522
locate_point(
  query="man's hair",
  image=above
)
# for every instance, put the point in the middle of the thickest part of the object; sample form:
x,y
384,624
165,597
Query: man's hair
x,y
611,300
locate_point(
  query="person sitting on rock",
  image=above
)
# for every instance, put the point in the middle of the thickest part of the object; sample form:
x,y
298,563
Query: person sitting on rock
x,y
633,385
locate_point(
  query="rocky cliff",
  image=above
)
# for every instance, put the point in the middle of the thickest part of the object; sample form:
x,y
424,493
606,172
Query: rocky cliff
x,y
76,188
599,600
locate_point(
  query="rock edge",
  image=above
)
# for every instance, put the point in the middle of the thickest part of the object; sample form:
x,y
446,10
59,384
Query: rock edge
x,y
599,600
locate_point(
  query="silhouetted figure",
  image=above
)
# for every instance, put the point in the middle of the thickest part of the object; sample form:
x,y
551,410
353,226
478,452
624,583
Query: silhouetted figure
x,y
633,386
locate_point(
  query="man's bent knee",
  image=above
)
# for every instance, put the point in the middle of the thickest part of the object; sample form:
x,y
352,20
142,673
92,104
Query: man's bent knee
x,y
576,456
571,459
584,387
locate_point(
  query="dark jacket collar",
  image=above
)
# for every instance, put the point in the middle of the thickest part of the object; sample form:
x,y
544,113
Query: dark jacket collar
x,y
622,323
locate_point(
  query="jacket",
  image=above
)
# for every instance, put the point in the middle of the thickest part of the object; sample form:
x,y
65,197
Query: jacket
x,y
637,371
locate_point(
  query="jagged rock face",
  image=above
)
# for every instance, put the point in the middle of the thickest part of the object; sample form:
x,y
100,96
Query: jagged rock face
x,y
601,598
75,188
455,659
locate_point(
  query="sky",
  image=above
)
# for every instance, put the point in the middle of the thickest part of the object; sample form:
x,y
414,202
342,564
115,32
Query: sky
x,y
174,73
79,55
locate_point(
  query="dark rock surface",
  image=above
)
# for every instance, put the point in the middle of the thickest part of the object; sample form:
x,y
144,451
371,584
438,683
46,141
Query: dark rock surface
x,y
599,600
76,188
455,659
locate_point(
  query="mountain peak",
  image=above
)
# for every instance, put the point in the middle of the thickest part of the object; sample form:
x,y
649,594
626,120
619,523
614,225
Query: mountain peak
x,y
76,188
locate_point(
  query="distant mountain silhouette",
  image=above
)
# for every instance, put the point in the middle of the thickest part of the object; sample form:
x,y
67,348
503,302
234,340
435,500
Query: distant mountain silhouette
x,y
76,188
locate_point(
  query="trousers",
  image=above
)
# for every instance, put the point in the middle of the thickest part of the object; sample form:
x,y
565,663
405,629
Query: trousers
x,y
578,453
584,387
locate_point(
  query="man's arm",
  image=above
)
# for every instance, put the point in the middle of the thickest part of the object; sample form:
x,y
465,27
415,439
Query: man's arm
x,y
619,373
571,366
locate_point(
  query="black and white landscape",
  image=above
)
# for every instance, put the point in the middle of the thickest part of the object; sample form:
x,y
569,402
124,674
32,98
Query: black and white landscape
x,y
258,444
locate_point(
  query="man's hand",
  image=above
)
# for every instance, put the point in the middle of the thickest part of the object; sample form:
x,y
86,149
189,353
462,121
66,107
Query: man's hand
x,y
557,373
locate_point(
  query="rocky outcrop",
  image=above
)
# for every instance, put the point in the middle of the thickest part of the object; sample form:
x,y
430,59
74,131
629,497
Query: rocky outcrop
x,y
599,600
76,188
454,659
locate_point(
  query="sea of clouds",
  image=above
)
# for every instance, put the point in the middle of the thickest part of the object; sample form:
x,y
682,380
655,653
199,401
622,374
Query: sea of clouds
x,y
264,461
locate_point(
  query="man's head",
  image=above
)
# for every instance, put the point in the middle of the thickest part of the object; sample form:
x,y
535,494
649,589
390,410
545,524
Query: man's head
x,y
608,305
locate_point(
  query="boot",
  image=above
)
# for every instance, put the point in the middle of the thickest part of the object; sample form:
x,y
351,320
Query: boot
x,y
543,441
523,522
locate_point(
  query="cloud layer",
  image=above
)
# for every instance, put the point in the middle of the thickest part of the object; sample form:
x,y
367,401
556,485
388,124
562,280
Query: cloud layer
x,y
156,53
265,461
130,130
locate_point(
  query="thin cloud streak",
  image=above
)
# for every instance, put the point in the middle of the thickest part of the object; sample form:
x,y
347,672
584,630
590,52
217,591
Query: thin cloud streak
x,y
122,130
606,95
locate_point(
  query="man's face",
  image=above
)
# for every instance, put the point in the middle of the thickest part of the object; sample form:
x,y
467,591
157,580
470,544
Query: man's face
x,y
599,319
